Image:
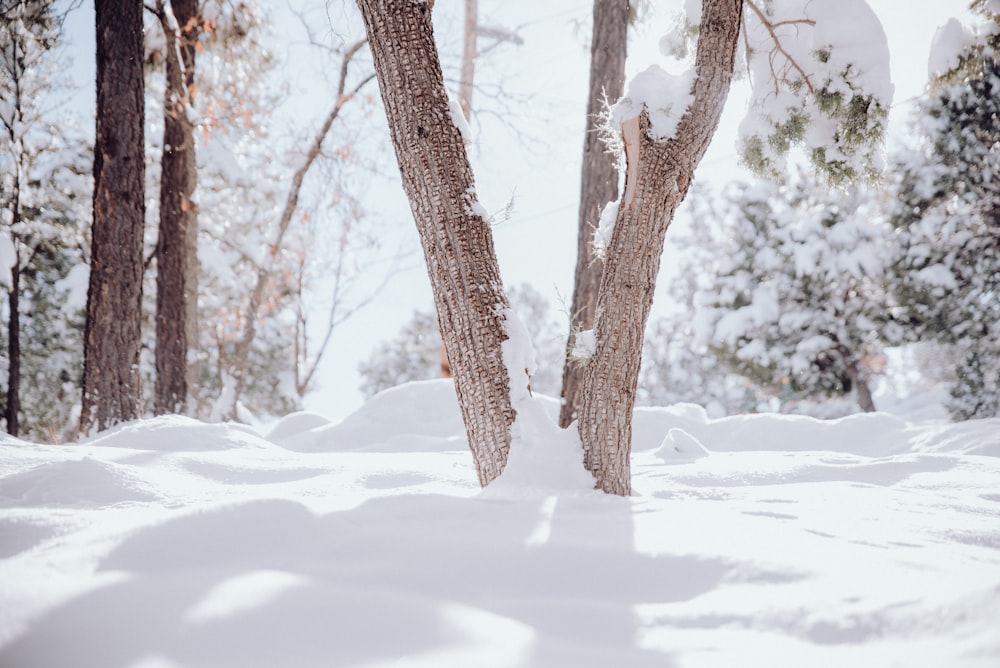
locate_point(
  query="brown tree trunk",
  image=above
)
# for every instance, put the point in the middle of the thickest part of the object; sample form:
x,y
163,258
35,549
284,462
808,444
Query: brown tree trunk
x,y
598,181
13,407
658,177
177,247
457,241
111,381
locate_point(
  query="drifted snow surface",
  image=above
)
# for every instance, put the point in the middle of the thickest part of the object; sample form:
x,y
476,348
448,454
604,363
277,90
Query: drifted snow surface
x,y
761,540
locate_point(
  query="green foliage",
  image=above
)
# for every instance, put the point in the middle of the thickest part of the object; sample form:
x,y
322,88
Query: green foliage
x,y
789,292
947,220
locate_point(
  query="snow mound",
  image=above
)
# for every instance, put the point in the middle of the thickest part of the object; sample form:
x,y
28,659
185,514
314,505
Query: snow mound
x,y
421,416
679,446
78,482
296,424
176,433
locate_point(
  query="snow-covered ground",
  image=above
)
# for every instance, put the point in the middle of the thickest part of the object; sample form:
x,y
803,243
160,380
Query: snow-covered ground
x,y
763,540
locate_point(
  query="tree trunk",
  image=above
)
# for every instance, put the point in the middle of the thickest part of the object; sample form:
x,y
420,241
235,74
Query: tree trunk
x,y
111,381
177,244
861,389
658,177
14,346
598,181
457,241
468,58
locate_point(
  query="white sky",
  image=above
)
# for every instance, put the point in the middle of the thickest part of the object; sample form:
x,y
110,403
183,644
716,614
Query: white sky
x,y
532,154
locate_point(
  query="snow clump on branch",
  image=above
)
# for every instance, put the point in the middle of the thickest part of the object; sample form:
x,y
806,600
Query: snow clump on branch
x,y
820,80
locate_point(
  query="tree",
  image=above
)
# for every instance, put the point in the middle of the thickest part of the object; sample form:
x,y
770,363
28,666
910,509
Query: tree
x,y
177,244
791,287
28,32
947,217
598,179
112,337
666,123
239,363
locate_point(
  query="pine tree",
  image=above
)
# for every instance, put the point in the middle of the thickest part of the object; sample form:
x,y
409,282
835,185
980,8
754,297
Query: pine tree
x,y
42,191
794,299
947,216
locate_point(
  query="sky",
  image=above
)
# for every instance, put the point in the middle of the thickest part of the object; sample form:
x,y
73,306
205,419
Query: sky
x,y
525,153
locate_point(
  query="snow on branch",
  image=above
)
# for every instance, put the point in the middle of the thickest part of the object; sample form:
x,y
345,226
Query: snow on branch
x,y
820,81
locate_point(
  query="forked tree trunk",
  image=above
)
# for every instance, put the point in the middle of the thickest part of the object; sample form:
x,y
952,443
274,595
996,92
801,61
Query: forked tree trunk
x,y
657,178
111,381
177,244
598,181
457,241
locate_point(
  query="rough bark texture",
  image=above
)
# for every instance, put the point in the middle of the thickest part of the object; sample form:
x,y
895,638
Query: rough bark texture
x,y
457,242
111,382
177,244
598,180
662,174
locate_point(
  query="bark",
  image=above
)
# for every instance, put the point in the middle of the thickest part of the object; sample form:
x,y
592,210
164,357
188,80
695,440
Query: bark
x,y
177,247
111,382
465,86
598,180
658,177
457,242
13,407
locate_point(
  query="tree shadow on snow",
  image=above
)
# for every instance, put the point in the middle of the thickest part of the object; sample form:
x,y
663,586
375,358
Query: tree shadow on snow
x,y
436,580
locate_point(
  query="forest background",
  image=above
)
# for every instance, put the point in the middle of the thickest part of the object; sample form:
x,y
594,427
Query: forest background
x,y
527,123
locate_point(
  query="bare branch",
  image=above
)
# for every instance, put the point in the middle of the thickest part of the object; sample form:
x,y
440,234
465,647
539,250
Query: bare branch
x,y
778,48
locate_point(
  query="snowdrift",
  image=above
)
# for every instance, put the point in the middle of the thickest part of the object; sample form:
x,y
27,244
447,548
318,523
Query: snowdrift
x,y
753,540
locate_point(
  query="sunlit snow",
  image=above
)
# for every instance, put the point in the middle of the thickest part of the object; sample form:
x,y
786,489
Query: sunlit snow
x,y
751,540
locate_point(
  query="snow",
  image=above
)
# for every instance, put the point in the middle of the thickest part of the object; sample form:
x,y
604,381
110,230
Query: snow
x,y
950,41
458,118
751,540
605,228
8,257
663,95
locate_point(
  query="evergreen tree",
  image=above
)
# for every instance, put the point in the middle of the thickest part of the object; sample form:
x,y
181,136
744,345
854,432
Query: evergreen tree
x,y
43,193
794,300
947,217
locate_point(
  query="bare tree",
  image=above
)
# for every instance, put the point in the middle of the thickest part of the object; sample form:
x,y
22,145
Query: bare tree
x,y
238,365
598,180
112,339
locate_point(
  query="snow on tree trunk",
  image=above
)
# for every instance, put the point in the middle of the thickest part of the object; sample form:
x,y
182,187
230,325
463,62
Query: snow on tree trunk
x,y
658,176
598,181
177,245
457,240
111,380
